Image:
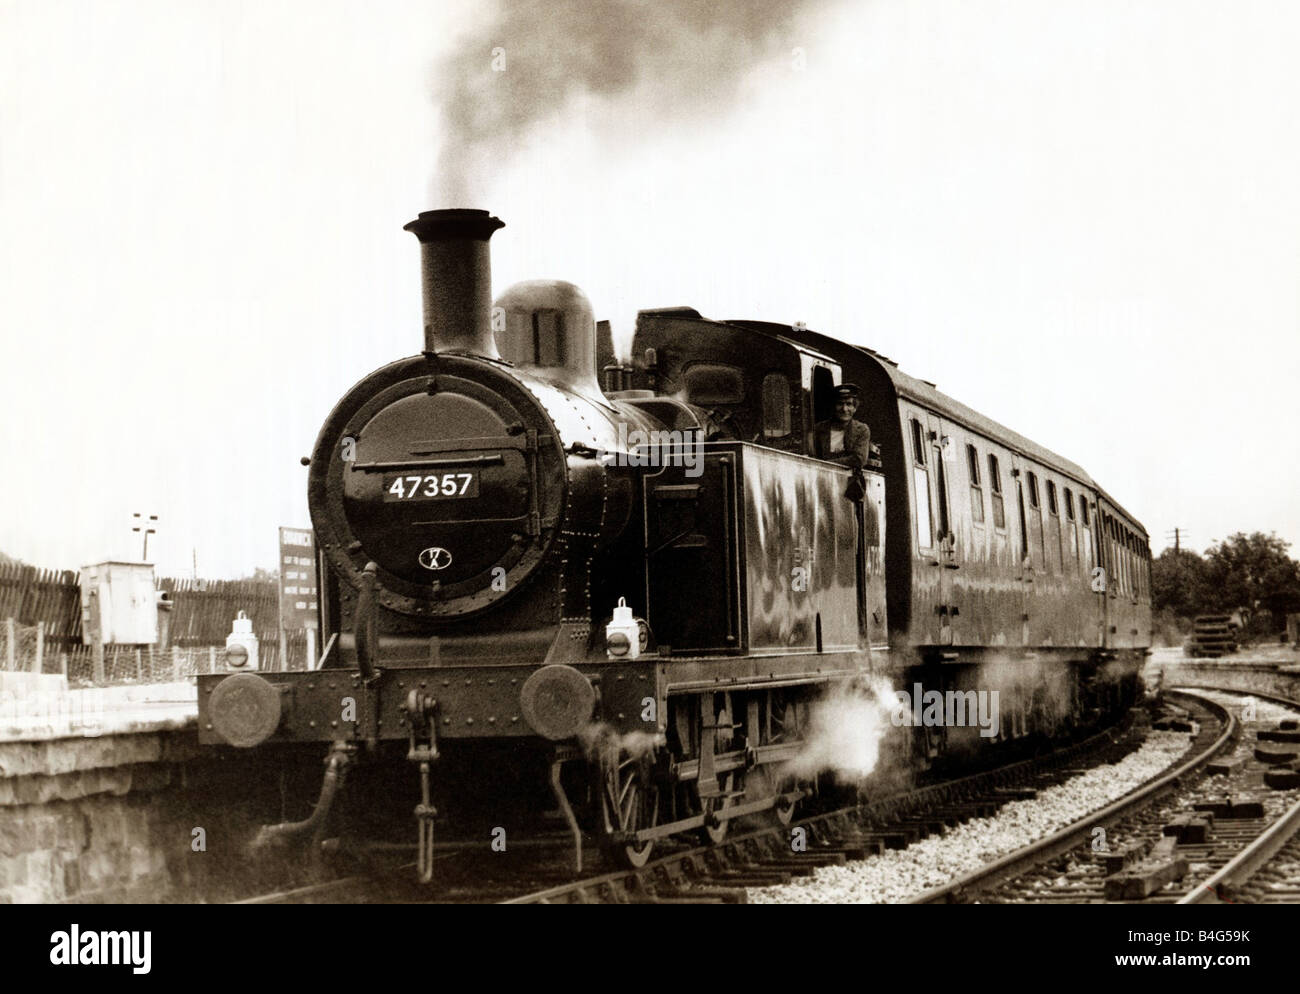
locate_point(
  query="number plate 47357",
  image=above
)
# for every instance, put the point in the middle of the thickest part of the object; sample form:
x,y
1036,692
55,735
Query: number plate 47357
x,y
430,486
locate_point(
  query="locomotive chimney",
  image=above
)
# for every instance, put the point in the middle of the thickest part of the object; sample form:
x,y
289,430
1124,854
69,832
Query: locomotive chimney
x,y
456,272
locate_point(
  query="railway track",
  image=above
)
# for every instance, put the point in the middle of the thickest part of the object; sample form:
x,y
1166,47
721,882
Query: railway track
x,y
539,872
1213,829
776,855
465,872
1230,850
1265,872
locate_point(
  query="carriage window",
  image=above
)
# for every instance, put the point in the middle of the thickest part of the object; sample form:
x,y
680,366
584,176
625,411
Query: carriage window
x,y
1073,529
1129,563
1121,560
1138,571
1024,531
976,492
714,383
1088,555
1106,539
776,406
1137,566
921,488
995,482
944,525
1051,497
1083,510
918,443
1117,556
1131,549
1033,490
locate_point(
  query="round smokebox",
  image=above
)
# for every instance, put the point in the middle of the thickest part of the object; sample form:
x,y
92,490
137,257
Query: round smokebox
x,y
449,476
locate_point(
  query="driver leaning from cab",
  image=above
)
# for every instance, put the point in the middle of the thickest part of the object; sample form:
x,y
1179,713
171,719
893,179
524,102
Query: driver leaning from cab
x,y
843,439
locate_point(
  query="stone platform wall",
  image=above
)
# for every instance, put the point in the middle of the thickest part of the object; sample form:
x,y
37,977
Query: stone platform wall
x,y
113,818
1259,678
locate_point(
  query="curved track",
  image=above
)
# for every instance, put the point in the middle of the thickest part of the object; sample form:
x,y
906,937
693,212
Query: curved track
x,y
1193,835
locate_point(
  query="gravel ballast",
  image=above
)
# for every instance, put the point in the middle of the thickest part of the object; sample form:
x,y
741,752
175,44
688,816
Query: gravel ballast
x,y
897,875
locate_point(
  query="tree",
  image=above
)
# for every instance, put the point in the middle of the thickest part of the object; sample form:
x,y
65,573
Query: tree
x,y
1178,584
1253,571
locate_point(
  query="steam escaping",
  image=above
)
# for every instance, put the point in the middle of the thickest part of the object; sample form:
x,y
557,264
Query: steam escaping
x,y
602,742
1030,693
537,57
845,730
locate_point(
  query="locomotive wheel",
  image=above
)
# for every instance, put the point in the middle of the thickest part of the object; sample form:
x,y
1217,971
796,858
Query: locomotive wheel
x,y
629,802
714,834
787,723
764,782
718,711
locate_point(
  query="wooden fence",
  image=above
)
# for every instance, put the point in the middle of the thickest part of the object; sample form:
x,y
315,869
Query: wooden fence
x,y
134,664
30,596
204,609
201,616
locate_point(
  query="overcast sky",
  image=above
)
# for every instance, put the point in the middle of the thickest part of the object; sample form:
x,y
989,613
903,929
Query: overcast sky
x,y
1080,218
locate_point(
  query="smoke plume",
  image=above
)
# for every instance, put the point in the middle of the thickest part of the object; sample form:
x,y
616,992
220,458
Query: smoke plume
x,y
653,60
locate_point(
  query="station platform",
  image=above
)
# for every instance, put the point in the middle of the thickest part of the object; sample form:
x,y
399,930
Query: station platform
x,y
40,708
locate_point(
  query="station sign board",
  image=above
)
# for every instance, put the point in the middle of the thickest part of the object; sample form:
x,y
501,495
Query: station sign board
x,y
297,579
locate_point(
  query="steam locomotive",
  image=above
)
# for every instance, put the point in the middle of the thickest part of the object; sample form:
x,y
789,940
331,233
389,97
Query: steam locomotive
x,y
620,588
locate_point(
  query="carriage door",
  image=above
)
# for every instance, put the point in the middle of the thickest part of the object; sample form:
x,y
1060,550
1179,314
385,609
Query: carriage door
x,y
1098,577
942,448
1025,565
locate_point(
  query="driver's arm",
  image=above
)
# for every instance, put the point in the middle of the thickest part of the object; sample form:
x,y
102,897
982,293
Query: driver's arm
x,y
858,449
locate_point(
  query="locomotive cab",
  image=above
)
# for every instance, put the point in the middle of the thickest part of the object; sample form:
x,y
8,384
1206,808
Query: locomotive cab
x,y
765,388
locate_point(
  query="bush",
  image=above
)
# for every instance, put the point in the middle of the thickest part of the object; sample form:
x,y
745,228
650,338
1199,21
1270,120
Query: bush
x,y
1169,629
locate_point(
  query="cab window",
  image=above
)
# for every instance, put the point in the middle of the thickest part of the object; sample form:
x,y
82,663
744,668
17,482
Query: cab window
x,y
710,383
776,406
822,382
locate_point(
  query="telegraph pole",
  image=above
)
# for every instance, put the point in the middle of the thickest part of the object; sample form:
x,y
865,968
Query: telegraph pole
x,y
1177,534
145,525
